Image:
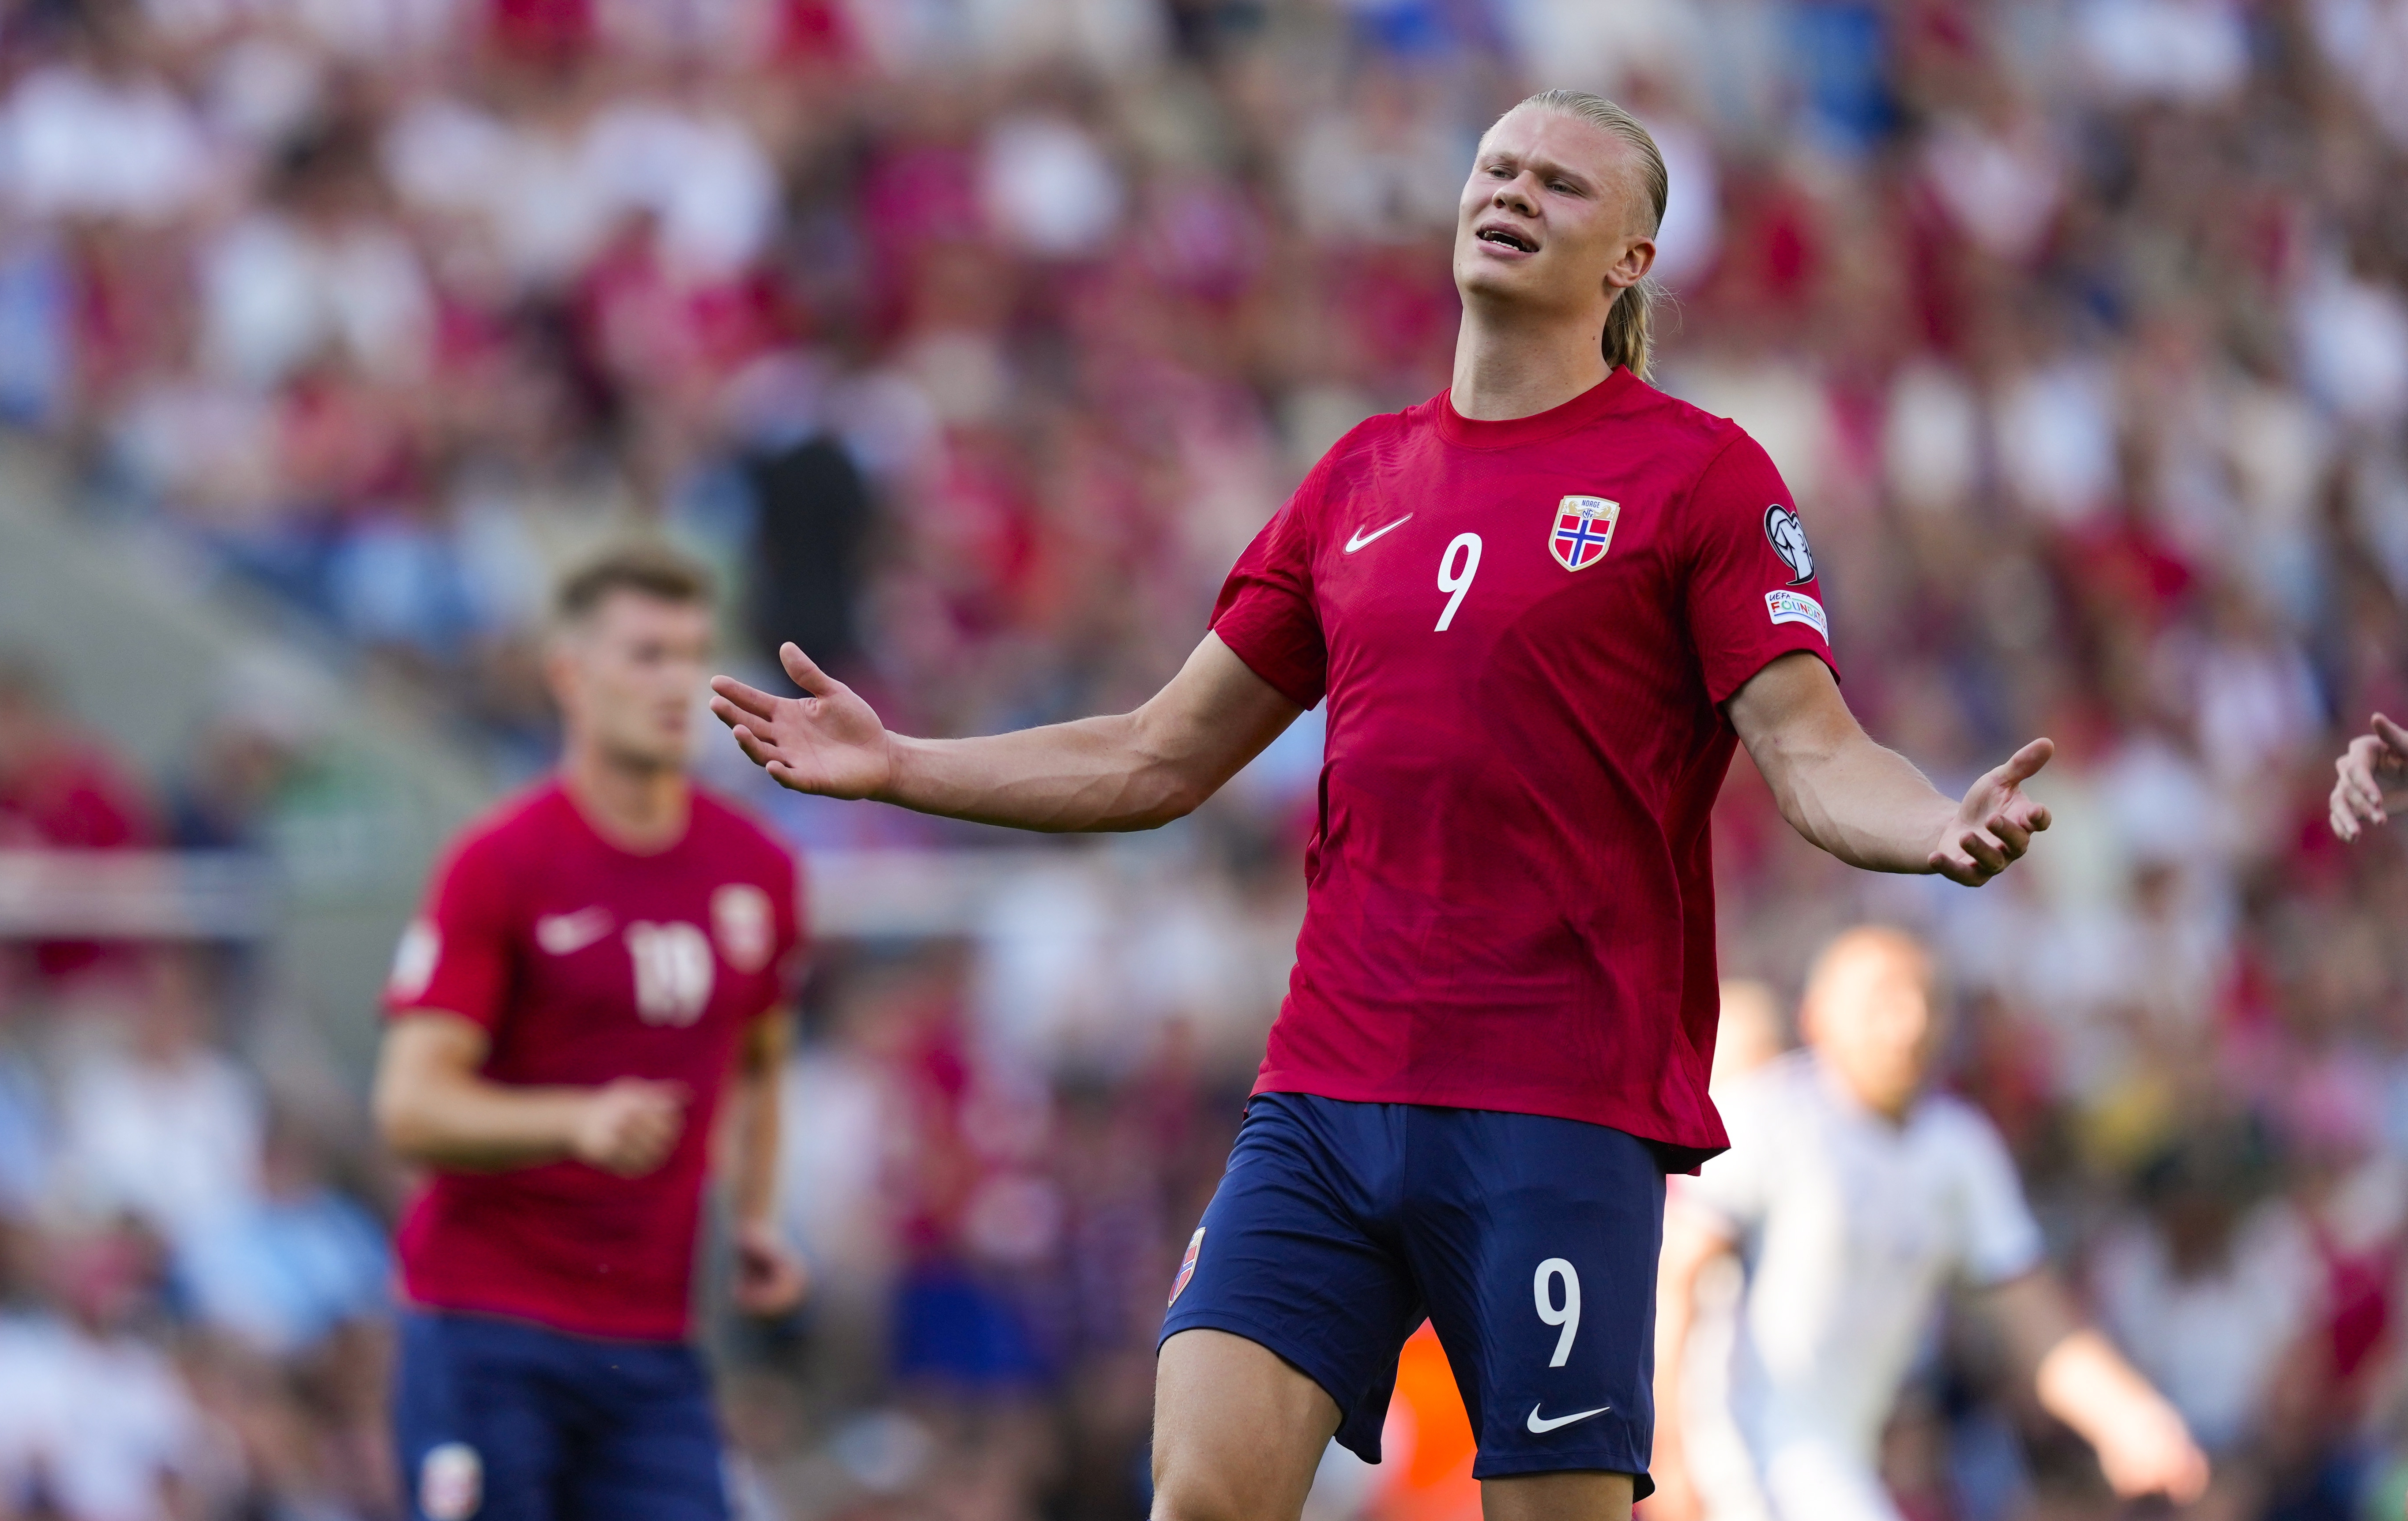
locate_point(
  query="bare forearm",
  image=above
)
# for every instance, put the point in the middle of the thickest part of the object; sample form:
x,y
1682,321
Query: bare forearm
x,y
1864,803
2085,1383
752,1186
468,1125
1094,774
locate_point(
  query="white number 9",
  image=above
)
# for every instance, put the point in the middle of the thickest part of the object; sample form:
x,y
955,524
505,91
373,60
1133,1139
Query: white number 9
x,y
1569,1315
1457,581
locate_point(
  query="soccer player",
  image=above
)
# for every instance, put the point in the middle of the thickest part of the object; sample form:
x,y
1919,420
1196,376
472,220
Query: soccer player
x,y
1855,1196
595,958
1543,606
2373,783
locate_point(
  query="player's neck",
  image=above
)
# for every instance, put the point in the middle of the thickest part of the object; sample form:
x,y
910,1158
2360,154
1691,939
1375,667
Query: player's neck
x,y
641,809
1509,365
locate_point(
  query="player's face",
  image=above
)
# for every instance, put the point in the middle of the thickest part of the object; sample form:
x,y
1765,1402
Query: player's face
x,y
1553,218
627,678
1870,1017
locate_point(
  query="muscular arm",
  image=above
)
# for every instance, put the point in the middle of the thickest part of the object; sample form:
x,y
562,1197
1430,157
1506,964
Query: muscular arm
x,y
1692,1239
1866,804
1134,770
434,1106
2081,1379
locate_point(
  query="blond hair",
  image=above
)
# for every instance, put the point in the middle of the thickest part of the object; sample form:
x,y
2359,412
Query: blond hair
x,y
1629,338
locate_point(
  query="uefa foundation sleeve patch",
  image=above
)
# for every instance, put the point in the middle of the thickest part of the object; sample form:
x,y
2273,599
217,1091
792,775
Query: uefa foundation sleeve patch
x,y
1186,1265
1788,607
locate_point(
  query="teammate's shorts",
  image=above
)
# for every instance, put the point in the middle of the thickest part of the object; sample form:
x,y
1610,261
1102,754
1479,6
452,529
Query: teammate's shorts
x,y
1528,1243
504,1421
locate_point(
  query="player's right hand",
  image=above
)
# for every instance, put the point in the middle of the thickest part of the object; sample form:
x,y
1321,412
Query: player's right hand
x,y
2372,780
628,1125
827,741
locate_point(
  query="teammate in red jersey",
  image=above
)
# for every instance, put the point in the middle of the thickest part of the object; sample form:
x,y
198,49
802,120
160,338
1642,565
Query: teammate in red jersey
x,y
595,958
1543,608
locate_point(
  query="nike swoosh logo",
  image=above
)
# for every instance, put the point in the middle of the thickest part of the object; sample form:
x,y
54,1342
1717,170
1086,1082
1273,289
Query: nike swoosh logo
x,y
566,934
1543,1427
1362,538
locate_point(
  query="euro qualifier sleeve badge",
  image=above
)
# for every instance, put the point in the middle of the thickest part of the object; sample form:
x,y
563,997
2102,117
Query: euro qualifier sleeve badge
x,y
1582,531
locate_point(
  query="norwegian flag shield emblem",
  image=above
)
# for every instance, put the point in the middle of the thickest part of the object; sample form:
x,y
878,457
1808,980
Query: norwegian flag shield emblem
x,y
1583,527
1187,1264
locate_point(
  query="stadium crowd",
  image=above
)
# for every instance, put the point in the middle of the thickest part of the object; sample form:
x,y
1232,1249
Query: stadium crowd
x,y
972,338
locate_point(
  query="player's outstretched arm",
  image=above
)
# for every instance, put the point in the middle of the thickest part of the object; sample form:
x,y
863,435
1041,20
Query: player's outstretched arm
x,y
2143,1444
1868,805
2372,780
1134,770
434,1107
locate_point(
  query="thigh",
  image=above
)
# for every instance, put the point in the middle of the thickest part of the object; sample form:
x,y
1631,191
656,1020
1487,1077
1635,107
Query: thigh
x,y
1535,1241
1299,1253
1238,1430
647,1446
473,1432
1571,1495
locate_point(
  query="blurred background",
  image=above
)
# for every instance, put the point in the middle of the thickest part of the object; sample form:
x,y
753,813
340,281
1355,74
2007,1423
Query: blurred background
x,y
972,339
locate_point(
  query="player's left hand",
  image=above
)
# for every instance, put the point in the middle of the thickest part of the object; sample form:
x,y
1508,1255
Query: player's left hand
x,y
770,1279
1994,824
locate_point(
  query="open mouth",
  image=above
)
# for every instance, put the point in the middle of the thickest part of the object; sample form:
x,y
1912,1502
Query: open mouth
x,y
1507,238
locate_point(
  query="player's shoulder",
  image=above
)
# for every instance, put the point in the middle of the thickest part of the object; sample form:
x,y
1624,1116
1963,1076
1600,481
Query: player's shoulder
x,y
526,821
1957,1125
1373,444
1686,433
733,829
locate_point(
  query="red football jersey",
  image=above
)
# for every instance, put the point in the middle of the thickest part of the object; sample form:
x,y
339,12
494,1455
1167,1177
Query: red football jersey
x,y
1524,630
584,962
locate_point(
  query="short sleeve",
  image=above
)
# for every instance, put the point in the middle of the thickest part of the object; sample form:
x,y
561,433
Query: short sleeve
x,y
1752,593
454,958
2001,1239
1265,613
1737,1186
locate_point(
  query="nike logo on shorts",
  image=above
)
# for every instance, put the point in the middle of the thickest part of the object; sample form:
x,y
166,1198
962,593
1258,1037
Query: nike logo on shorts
x,y
1361,538
1542,1426
566,934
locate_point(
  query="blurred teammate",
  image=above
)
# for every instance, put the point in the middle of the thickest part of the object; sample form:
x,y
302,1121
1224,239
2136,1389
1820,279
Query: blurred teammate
x,y
1543,607
1855,1196
594,960
2373,779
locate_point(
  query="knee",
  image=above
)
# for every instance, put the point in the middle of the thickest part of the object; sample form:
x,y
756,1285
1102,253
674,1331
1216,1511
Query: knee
x,y
1191,1491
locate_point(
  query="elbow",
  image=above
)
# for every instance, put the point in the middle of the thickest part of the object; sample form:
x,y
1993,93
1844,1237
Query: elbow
x,y
401,1124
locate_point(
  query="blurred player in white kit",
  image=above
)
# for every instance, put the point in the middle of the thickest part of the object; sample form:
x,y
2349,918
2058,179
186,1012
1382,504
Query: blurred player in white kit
x,y
1854,1196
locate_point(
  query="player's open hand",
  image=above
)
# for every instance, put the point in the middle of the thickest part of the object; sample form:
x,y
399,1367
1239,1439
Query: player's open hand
x,y
1993,827
770,1279
628,1125
2373,783
825,741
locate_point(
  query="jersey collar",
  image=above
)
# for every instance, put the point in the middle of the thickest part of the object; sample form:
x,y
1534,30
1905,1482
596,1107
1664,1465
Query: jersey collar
x,y
1583,409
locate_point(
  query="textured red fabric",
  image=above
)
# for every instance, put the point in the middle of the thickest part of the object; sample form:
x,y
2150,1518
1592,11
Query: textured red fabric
x,y
586,963
1510,894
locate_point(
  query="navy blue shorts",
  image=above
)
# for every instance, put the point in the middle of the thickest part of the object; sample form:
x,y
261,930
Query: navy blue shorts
x,y
1528,1243
505,1421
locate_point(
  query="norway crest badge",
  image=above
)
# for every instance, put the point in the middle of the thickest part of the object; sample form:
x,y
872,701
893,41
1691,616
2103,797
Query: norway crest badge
x,y
1583,527
1187,1264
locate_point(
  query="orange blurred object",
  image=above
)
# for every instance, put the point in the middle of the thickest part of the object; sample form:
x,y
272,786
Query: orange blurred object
x,y
1427,1446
